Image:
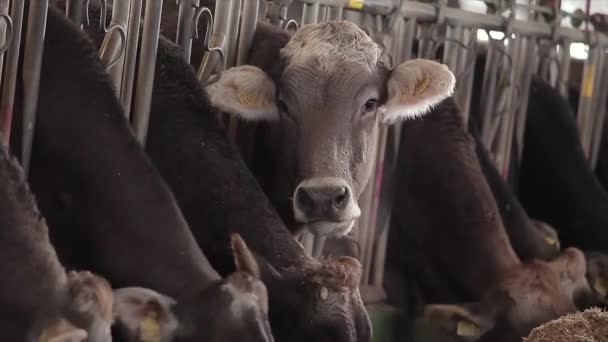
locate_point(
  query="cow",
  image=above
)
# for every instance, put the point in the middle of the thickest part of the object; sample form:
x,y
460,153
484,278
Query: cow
x,y
456,248
309,300
597,275
556,183
39,300
324,93
111,212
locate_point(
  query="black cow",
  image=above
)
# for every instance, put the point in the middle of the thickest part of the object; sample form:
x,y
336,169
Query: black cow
x,y
444,198
110,211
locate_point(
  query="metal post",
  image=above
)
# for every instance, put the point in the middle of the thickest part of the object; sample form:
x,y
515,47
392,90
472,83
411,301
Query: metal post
x,y
112,48
564,69
212,60
310,13
450,51
6,31
599,106
75,10
145,72
9,82
32,62
247,30
505,142
185,27
466,73
129,61
335,13
233,33
529,55
488,94
585,106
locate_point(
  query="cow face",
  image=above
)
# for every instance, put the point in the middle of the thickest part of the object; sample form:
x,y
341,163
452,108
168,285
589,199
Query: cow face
x,y
524,298
332,92
90,305
319,302
235,309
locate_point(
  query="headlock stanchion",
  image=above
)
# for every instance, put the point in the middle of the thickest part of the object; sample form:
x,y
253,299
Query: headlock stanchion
x,y
9,74
32,61
114,45
147,65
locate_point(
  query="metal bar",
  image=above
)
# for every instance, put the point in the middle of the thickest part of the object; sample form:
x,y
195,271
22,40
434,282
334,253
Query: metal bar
x,y
600,108
218,39
529,55
310,13
9,82
32,62
466,73
456,16
75,10
585,106
247,30
233,33
335,13
451,49
6,32
505,141
145,72
564,69
488,94
185,26
112,44
375,203
129,61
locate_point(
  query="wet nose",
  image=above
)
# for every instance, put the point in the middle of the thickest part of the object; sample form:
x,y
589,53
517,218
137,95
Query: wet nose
x,y
322,201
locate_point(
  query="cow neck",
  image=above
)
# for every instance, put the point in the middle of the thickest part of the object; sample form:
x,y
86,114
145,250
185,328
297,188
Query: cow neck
x,y
471,230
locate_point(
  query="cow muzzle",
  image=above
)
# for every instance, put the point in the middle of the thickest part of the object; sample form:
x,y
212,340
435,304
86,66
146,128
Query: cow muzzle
x,y
325,206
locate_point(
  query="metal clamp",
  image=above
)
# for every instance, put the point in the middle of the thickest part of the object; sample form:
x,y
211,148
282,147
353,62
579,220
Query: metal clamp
x,y
9,32
122,32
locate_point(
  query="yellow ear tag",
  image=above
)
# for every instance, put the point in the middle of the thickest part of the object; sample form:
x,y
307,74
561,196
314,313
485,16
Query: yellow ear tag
x,y
247,98
601,286
550,241
422,85
149,330
467,329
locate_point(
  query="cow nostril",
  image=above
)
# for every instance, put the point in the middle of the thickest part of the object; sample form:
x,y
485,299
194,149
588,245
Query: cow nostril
x,y
341,198
304,200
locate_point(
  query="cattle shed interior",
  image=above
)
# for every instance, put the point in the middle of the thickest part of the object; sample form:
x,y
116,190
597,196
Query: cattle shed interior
x,y
471,210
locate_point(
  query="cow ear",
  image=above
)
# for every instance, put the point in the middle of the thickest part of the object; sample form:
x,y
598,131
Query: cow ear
x,y
468,321
61,330
246,92
144,315
243,258
414,87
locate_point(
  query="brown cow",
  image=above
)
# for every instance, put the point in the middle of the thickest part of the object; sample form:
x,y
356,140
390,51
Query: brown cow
x,y
326,90
457,247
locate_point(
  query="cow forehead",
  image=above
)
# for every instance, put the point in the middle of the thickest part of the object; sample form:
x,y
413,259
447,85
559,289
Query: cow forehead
x,y
329,45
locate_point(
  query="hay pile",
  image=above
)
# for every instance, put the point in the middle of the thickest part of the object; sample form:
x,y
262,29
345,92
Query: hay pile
x,y
588,326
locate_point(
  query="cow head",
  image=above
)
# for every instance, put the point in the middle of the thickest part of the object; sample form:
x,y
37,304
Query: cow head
x,y
525,297
319,301
326,102
234,309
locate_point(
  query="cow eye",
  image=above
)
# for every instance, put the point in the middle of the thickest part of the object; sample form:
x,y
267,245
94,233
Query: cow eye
x,y
370,106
